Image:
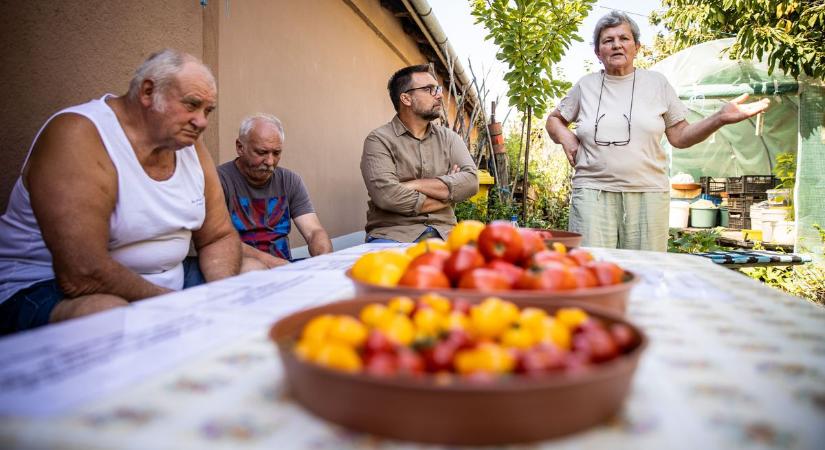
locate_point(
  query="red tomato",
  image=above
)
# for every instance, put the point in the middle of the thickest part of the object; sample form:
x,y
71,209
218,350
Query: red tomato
x,y
540,360
546,257
410,362
533,243
529,280
511,271
435,258
576,362
467,257
552,277
439,357
584,277
623,336
424,277
484,280
460,339
544,234
561,276
601,345
378,342
607,273
462,305
587,326
500,240
581,256
381,365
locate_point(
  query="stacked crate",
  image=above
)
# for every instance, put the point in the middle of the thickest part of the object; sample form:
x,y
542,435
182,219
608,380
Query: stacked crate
x,y
713,186
743,192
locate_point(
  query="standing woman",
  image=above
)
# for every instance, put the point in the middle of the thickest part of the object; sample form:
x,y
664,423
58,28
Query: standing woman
x,y
620,195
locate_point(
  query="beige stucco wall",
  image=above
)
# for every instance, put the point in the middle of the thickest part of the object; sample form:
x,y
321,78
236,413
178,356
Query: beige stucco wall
x,y
323,71
55,54
320,65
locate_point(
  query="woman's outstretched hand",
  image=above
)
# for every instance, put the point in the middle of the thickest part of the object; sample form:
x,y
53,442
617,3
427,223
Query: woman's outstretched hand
x,y
737,110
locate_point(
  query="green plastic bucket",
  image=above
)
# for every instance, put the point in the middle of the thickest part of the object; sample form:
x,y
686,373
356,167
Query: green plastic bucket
x,y
703,218
724,217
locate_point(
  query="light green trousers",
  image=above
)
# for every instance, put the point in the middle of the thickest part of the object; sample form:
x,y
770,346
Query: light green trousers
x,y
631,220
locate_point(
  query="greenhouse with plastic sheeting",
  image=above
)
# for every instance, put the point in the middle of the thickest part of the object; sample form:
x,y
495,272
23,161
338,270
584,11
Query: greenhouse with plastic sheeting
x,y
705,78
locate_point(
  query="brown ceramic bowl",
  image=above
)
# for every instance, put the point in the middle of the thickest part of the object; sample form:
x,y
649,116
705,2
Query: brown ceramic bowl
x,y
612,297
568,238
508,410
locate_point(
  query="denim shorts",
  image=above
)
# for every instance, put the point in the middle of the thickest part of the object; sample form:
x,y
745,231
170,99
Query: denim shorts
x,y
31,307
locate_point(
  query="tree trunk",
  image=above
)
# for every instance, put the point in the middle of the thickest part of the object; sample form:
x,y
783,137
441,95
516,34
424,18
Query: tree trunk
x,y
502,170
524,181
518,158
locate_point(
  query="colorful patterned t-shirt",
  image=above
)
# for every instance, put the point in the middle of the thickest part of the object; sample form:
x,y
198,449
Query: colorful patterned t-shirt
x,y
262,215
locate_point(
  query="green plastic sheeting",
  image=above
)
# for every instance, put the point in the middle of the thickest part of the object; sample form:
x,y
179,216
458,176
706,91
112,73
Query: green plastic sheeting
x,y
704,78
809,196
735,150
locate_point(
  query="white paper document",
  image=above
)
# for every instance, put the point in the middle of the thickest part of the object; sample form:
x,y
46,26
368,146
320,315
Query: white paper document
x,y
48,370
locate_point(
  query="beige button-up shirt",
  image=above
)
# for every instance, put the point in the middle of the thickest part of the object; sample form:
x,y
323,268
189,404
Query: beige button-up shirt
x,y
392,155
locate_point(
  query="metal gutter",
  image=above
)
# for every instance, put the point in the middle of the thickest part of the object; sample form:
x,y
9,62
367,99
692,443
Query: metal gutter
x,y
735,90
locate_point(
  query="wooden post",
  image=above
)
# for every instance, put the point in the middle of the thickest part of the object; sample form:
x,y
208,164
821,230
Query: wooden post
x,y
524,181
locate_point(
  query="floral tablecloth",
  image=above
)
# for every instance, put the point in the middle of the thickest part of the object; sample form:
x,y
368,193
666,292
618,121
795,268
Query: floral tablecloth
x,y
732,364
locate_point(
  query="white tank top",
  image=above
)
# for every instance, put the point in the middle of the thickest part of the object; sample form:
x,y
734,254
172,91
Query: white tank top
x,y
150,228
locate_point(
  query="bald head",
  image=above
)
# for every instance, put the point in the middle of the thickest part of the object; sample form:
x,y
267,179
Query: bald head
x,y
162,69
256,123
259,146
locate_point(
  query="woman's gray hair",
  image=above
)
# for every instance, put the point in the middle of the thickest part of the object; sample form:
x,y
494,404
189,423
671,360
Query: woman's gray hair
x,y
614,19
162,67
249,122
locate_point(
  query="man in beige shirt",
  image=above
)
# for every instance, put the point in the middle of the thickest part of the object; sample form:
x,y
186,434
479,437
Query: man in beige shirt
x,y
415,170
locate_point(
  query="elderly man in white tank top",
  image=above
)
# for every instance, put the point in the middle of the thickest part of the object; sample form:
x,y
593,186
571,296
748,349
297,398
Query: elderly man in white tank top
x,y
110,196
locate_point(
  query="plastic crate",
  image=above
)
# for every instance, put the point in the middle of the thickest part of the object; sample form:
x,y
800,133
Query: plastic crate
x,y
713,186
743,203
738,222
750,184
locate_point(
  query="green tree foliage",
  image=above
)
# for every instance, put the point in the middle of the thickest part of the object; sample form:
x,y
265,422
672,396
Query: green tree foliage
x,y
789,33
551,174
549,195
532,35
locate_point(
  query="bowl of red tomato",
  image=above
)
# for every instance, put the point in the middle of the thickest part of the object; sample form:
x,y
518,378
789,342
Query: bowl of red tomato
x,y
514,263
489,372
569,239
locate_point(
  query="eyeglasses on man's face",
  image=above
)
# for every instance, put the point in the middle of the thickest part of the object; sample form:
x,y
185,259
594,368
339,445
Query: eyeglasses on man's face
x,y
608,143
432,89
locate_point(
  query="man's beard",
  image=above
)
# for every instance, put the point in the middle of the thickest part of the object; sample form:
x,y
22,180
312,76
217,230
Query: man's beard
x,y
431,114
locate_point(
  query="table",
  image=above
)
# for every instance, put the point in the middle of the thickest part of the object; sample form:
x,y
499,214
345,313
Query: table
x,y
732,364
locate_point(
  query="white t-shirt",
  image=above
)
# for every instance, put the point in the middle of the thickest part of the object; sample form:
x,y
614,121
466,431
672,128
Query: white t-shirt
x,y
639,166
